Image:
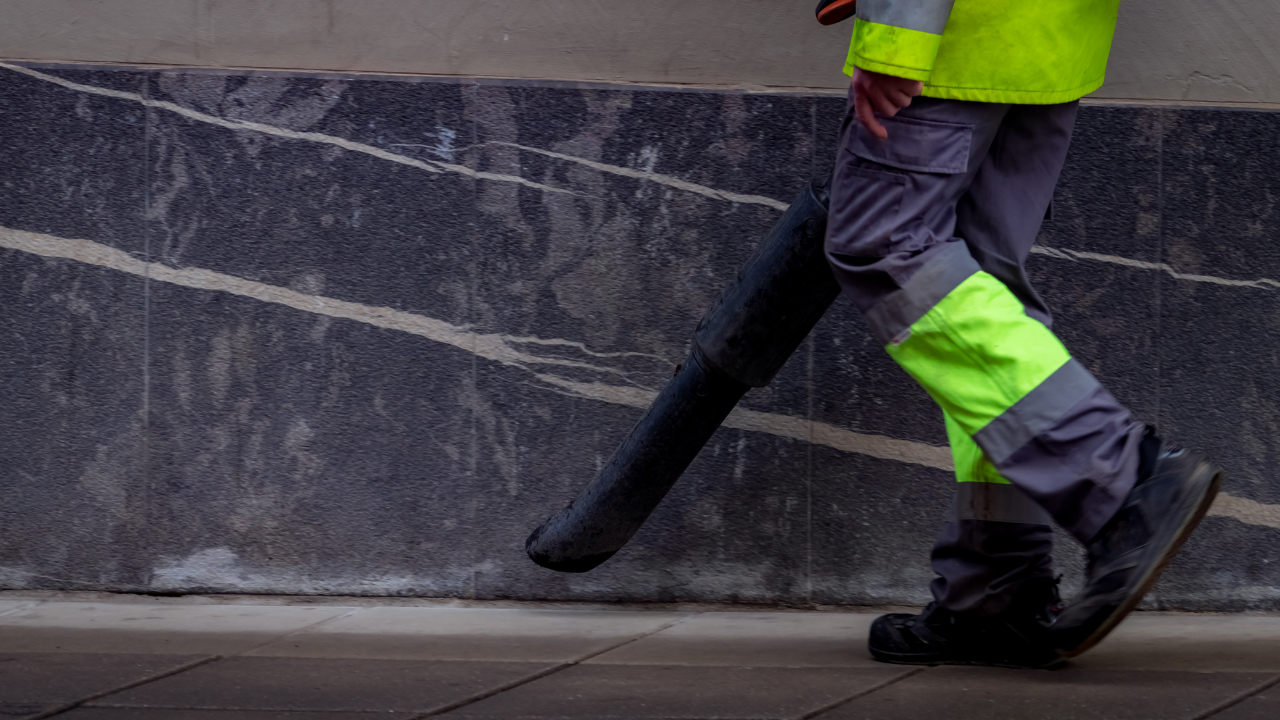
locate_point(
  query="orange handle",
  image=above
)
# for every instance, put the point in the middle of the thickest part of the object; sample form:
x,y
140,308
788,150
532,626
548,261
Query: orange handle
x,y
830,12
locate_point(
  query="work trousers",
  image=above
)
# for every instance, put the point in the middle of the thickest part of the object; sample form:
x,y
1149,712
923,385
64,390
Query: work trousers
x,y
928,234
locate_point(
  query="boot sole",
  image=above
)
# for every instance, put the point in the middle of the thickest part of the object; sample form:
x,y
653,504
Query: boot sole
x,y
1184,532
895,659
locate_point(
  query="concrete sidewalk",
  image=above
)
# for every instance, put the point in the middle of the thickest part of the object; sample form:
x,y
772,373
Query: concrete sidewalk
x,y
100,657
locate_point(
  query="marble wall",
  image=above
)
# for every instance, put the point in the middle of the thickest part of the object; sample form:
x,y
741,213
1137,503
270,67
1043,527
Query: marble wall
x,y
312,334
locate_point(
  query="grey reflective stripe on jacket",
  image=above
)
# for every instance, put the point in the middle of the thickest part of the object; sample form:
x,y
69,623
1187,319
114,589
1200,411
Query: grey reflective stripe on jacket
x,y
924,15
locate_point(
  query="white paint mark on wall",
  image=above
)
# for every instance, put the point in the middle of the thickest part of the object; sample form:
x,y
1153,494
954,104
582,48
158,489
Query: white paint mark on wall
x,y
221,568
444,148
498,348
213,567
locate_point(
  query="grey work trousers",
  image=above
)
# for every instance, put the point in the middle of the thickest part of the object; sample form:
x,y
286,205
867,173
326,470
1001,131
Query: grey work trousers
x,y
960,187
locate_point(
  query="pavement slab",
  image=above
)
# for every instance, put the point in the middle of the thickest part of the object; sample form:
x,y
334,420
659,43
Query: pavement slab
x,y
1263,706
1148,641
323,684
32,683
510,635
166,629
354,659
1073,693
94,713
754,639
674,691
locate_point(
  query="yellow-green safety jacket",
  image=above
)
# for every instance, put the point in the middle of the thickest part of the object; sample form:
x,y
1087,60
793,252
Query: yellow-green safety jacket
x,y
1032,52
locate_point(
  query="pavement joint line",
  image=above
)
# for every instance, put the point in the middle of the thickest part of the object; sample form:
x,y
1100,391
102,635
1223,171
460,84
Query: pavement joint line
x,y
59,709
305,628
860,694
484,694
1232,702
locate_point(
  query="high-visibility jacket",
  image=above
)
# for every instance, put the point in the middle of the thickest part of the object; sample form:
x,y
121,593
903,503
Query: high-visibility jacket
x,y
1014,51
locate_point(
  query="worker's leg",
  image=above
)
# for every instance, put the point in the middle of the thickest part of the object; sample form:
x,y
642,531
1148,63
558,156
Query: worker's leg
x,y
1042,420
1003,378
999,218
898,250
995,540
998,538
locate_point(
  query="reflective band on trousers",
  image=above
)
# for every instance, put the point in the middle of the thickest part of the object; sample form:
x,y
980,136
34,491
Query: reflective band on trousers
x,y
977,353
994,502
1036,412
982,493
891,319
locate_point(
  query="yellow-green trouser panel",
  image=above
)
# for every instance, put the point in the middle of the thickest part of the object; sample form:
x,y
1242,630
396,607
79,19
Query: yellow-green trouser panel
x,y
1001,376
928,233
1009,51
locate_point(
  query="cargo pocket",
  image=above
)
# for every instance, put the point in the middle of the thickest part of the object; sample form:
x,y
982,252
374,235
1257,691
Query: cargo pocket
x,y
865,209
926,146
884,189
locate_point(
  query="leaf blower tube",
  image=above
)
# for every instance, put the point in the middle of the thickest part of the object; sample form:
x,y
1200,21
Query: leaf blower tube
x,y
742,342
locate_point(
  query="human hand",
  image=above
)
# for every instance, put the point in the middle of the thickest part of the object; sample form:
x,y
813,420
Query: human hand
x,y
886,94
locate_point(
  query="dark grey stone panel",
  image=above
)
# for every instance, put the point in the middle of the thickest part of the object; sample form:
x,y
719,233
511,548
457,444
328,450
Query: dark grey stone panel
x,y
856,385
72,337
73,161
624,264
736,524
1108,202
72,426
733,527
294,452
828,119
627,268
301,213
557,282
874,523
1220,344
291,450
535,449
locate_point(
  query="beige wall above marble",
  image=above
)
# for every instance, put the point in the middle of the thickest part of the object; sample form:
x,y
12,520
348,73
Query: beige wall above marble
x,y
1210,50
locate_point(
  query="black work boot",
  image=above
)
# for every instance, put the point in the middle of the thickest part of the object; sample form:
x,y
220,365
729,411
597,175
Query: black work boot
x,y
1016,638
1174,491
